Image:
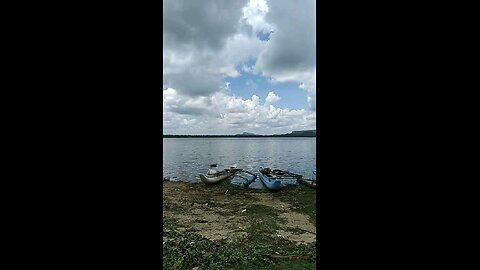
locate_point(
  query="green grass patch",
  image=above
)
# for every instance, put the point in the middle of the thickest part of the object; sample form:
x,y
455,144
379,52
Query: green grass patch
x,y
265,219
188,250
302,199
191,250
293,265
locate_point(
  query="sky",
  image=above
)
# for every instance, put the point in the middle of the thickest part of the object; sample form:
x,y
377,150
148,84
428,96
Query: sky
x,y
239,66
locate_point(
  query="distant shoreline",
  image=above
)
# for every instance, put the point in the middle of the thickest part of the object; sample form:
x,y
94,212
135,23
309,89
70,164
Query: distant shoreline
x,y
301,133
234,136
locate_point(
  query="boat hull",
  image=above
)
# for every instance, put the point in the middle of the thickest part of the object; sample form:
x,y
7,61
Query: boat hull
x,y
213,180
270,184
310,183
250,180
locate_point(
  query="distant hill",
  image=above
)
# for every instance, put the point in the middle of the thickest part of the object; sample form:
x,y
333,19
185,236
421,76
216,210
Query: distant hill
x,y
247,134
296,133
303,133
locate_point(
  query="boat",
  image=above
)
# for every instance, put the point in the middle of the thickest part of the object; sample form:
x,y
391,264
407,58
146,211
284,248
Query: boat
x,y
214,176
268,180
247,178
309,182
275,179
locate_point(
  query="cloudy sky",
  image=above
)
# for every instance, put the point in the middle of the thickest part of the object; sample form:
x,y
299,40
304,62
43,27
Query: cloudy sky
x,y
231,66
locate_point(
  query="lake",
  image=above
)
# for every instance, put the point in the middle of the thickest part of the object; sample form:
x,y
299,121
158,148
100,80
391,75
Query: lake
x,y
185,158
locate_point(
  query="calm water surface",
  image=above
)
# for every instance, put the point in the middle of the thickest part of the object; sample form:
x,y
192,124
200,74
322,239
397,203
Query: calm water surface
x,y
185,158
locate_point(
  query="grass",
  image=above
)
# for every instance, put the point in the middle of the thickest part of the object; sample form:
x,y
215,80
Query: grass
x,y
189,250
302,199
295,230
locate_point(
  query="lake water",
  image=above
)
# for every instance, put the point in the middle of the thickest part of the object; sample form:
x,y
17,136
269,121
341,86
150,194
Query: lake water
x,y
185,158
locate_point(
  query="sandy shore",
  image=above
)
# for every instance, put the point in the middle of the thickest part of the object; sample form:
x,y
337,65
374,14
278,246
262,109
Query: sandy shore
x,y
221,212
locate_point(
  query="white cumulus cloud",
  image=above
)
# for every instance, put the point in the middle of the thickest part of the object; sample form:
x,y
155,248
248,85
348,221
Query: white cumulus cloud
x,y
271,98
206,41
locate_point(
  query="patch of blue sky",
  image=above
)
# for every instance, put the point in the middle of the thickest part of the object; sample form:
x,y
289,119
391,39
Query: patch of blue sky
x,y
248,84
264,36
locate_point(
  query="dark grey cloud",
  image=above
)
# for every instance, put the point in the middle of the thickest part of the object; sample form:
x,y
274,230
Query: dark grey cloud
x,y
202,43
291,51
282,58
292,44
188,110
195,82
204,23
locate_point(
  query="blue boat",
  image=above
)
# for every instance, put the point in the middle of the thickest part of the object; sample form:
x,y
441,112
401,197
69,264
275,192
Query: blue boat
x,y
244,178
275,179
269,181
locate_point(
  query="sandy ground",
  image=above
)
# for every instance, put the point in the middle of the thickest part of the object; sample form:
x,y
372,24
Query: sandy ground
x,y
220,214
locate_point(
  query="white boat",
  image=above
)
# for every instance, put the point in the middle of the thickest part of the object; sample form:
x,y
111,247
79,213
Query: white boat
x,y
213,177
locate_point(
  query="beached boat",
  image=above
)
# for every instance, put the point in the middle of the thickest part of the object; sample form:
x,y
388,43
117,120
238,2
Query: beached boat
x,y
308,182
213,176
275,179
269,181
246,178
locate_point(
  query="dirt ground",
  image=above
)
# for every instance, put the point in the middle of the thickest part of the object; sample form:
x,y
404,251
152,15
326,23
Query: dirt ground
x,y
225,212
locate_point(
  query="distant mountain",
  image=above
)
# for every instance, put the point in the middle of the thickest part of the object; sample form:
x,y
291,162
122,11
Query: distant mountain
x,y
296,133
303,133
246,134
